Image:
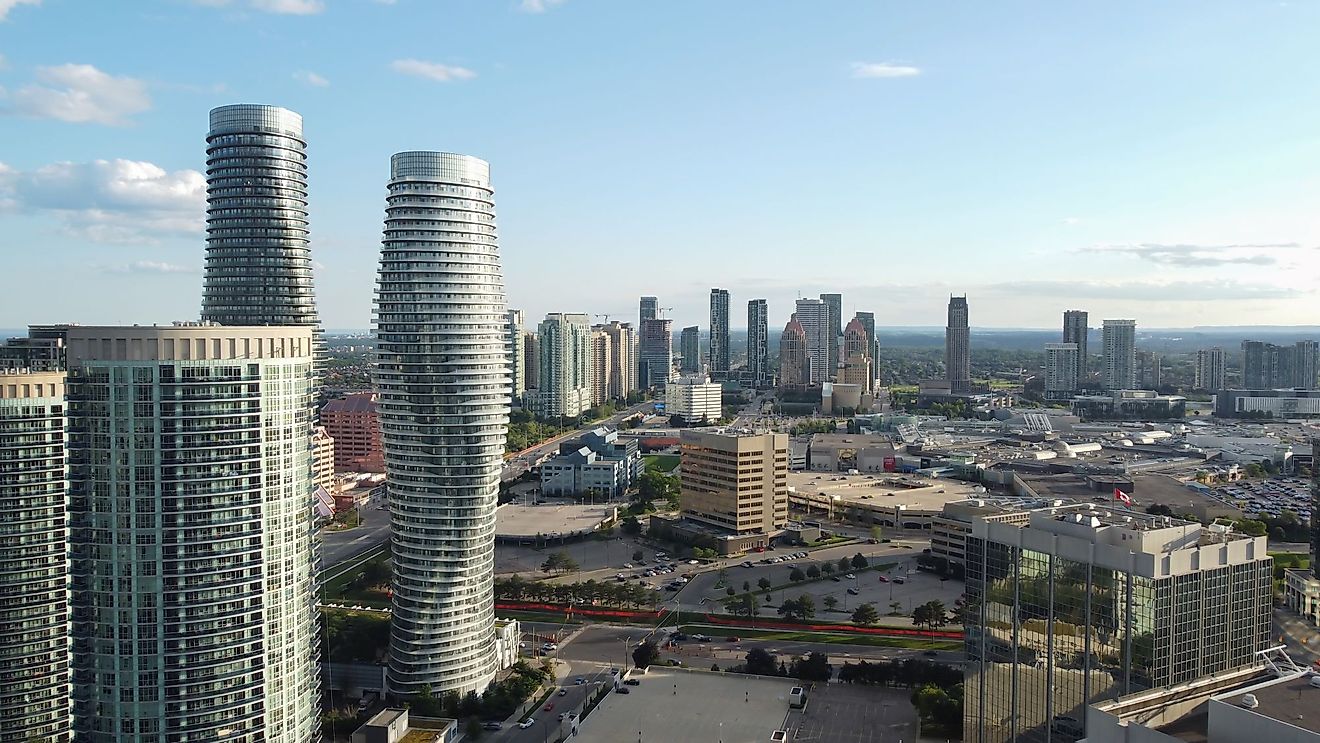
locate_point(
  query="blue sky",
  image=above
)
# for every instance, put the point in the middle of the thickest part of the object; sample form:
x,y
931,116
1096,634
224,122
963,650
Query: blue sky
x,y
1149,160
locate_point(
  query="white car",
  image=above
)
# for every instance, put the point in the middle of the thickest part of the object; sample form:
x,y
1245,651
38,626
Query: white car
x,y
527,723
694,562
628,565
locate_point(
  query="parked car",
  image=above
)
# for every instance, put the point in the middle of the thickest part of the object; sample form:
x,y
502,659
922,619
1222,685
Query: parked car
x,y
746,564
624,689
492,725
835,578
851,576
527,723
853,591
563,716
701,638
931,654
632,682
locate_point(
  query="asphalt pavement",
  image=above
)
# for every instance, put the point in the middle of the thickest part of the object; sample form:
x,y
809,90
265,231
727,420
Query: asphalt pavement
x,y
517,465
340,545
547,725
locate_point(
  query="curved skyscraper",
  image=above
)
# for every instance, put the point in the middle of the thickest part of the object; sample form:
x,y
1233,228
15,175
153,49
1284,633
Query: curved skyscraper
x,y
443,379
258,264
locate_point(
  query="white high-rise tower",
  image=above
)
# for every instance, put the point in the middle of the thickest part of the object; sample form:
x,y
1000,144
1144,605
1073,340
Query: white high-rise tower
x,y
443,379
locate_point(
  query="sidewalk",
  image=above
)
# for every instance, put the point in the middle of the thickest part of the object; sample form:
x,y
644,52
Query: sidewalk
x,y
1298,634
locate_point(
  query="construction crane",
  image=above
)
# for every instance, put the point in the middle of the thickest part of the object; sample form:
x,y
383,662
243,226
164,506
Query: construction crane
x,y
605,316
660,311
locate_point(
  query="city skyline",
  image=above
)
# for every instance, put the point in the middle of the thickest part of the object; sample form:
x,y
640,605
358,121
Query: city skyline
x,y
112,181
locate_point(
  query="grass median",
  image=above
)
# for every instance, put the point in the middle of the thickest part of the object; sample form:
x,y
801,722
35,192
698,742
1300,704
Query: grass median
x,y
831,638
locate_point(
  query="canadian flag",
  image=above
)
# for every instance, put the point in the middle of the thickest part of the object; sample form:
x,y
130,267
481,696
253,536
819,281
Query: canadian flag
x,y
1119,495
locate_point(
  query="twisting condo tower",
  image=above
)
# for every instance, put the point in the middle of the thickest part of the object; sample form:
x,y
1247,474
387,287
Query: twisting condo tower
x,y
258,264
442,374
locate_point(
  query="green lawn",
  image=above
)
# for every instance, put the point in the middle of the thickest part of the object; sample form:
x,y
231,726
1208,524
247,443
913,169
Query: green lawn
x,y
832,638
661,462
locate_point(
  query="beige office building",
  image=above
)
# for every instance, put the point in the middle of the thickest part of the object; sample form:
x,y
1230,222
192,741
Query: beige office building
x,y
735,480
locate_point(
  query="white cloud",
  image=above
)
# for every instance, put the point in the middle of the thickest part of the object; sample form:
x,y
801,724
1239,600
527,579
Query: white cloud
x,y
431,70
81,94
8,5
1191,256
1072,220
537,6
140,267
110,201
290,7
883,70
307,77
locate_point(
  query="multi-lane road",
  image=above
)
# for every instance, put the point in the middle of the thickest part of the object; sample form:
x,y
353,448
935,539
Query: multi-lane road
x,y
523,460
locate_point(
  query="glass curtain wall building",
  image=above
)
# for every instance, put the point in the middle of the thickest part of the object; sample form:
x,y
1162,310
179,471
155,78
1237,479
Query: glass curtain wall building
x,y
34,566
758,344
258,263
1082,604
443,378
194,611
719,334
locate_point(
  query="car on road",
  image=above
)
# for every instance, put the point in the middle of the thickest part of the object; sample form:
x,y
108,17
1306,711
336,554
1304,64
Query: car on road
x,y
731,638
563,692
701,638
628,565
549,706
527,723
899,581
694,562
678,637
614,672
835,578
883,579
579,681
931,654
632,682
747,564
492,725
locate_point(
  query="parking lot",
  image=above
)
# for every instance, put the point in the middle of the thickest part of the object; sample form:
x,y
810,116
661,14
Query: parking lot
x,y
1268,497
841,713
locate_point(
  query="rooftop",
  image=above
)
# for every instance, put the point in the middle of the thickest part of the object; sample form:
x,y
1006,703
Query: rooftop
x,y
357,402
884,490
513,520
1290,700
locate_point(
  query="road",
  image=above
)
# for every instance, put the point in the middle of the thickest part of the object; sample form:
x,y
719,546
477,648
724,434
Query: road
x,y
517,465
1301,639
338,546
548,726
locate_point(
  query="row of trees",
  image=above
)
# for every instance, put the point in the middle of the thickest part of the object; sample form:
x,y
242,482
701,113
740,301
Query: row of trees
x,y
931,614
655,485
499,700
857,562
559,563
590,592
760,662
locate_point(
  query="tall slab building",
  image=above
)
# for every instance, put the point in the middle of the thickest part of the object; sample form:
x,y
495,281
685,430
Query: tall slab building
x,y
34,566
258,263
758,344
689,350
957,347
814,317
1120,361
1075,329
719,334
868,322
655,353
1211,369
194,614
443,378
833,331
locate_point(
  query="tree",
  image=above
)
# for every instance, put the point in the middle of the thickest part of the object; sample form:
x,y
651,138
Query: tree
x,y
827,568
747,586
761,663
814,667
473,729
731,591
638,556
655,485
645,654
630,526
1159,509
844,564
895,607
813,571
764,584
859,562
554,562
796,575
830,602
865,615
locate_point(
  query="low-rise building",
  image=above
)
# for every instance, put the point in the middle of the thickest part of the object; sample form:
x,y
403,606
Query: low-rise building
x,y
908,501
323,459
1280,404
597,463
950,527
695,399
507,634
832,452
1129,405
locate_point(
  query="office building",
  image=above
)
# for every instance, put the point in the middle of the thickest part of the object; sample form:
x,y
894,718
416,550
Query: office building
x,y
814,317
596,463
565,350
735,480
758,344
648,309
833,332
867,320
1061,367
1120,348
1281,404
694,399
194,614
600,360
513,335
443,378
1148,370
532,361
1085,603
1211,369
353,423
1129,405
34,566
794,360
689,350
623,365
719,334
958,348
1075,330
655,353
258,263
855,363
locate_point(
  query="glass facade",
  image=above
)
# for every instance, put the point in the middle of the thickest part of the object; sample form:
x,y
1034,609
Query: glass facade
x,y
1048,635
194,613
34,572
258,263
443,380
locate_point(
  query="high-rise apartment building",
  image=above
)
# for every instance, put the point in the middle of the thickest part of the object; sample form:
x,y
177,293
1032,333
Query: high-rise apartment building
x,y
258,263
34,565
719,334
735,480
695,399
1061,367
833,330
1075,330
600,358
531,360
867,319
1306,363
758,344
794,359
689,350
354,423
565,344
1211,369
194,614
958,347
1083,603
655,353
623,365
648,309
813,315
1149,371
1120,361
513,336
443,377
